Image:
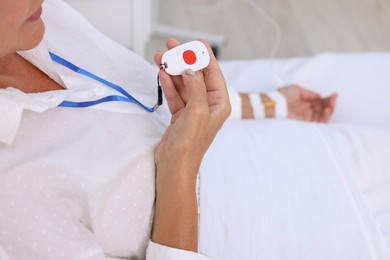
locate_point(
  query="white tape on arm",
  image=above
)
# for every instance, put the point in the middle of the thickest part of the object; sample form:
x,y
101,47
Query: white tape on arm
x,y
236,104
281,110
257,106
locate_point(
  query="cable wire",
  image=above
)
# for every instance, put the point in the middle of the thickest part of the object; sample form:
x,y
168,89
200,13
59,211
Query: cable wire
x,y
221,5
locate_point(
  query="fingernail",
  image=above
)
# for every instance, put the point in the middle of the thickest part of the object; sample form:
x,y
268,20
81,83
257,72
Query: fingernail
x,y
189,72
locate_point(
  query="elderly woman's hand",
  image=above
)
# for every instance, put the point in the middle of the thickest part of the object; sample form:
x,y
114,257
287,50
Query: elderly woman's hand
x,y
199,104
307,105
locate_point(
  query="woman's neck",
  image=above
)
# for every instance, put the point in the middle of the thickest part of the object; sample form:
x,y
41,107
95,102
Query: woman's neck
x,y
7,64
18,73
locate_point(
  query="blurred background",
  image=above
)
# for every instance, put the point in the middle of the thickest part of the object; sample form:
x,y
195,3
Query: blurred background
x,y
245,29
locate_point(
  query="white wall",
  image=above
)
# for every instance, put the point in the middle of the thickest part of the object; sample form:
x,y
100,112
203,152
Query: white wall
x,y
112,17
133,22
308,26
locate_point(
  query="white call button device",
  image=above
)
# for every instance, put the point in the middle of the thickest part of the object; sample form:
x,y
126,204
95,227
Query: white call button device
x,y
191,55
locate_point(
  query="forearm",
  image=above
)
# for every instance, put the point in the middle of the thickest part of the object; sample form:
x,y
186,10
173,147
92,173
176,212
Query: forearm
x,y
247,109
199,106
176,215
258,105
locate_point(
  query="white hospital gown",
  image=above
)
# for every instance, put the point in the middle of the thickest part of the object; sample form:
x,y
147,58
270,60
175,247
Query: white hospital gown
x,y
78,183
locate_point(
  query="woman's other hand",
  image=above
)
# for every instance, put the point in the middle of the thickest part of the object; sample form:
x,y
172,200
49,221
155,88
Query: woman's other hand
x,y
307,105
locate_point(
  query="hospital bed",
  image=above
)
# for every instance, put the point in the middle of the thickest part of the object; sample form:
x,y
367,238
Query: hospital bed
x,y
283,189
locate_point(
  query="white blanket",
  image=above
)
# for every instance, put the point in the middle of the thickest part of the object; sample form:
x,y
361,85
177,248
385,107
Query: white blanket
x,y
292,190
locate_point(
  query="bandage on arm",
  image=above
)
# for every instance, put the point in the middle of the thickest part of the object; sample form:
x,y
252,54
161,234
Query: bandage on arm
x,y
257,105
236,104
281,109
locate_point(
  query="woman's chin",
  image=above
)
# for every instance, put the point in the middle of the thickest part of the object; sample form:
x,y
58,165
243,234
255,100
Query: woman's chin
x,y
34,36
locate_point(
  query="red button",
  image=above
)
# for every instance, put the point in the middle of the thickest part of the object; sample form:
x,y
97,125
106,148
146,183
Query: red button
x,y
189,57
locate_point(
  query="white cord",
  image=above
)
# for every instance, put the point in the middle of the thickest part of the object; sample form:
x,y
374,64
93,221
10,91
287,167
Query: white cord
x,y
278,38
220,5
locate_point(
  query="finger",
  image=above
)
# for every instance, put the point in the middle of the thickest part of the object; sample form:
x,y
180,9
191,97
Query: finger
x,y
324,118
309,116
332,102
172,43
174,99
325,114
213,65
329,108
329,104
212,68
197,91
177,80
157,58
316,114
172,95
326,108
216,88
317,106
182,90
306,112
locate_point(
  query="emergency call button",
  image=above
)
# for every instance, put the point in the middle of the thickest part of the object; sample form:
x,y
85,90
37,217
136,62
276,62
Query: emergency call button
x,y
189,57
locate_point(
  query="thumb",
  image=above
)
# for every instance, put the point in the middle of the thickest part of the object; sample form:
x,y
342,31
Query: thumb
x,y
196,89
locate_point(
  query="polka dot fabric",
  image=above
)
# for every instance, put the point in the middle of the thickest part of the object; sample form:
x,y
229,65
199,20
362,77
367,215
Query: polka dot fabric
x,y
79,183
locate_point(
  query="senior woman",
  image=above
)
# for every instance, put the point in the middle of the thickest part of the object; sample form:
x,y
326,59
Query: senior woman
x,y
79,183
107,180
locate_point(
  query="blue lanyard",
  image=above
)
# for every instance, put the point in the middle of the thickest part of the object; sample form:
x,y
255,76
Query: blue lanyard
x,y
125,98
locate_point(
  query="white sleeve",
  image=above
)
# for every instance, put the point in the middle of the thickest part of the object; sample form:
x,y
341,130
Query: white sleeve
x,y
160,252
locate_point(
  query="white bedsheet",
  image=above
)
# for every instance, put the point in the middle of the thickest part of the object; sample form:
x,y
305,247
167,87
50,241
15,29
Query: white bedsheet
x,y
292,190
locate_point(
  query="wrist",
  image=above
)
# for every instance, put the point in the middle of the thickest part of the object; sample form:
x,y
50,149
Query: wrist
x,y
175,179
257,106
179,172
175,220
281,108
